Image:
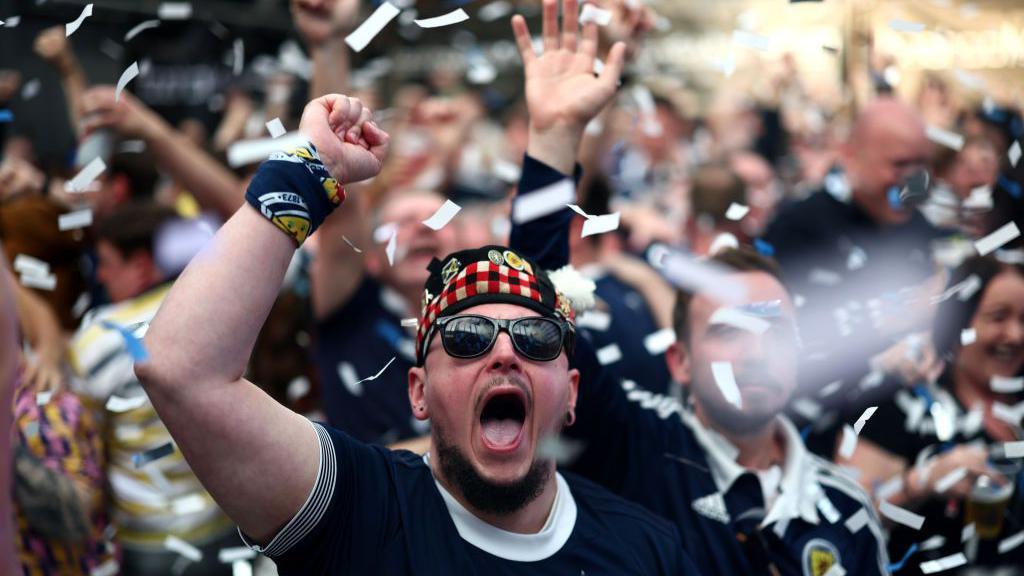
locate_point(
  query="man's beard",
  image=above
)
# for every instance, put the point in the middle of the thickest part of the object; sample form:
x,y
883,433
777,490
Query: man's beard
x,y
483,495
751,419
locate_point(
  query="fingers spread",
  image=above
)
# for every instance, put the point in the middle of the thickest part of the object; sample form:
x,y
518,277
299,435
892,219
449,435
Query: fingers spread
x,y
570,25
550,29
523,40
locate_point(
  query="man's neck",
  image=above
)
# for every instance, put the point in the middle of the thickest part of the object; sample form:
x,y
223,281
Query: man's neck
x,y
530,519
758,450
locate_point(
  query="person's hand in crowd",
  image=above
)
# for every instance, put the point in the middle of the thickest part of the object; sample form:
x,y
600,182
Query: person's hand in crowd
x,y
127,117
349,143
45,372
319,20
972,459
645,225
18,177
630,23
52,46
562,92
10,81
913,360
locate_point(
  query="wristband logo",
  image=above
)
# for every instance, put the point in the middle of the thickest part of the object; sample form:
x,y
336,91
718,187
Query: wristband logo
x,y
335,193
288,211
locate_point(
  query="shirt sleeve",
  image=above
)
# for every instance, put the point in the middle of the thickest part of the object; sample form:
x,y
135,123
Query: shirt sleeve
x,y
545,239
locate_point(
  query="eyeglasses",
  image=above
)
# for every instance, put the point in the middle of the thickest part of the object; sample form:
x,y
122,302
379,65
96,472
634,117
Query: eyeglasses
x,y
533,337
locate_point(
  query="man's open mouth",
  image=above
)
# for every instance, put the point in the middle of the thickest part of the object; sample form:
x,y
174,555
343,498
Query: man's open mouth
x,y
502,419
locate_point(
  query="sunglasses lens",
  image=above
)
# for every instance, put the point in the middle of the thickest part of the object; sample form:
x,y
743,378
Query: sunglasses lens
x,y
538,338
467,336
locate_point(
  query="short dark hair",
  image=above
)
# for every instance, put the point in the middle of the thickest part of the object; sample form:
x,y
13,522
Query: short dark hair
x,y
715,187
737,259
133,226
139,168
954,314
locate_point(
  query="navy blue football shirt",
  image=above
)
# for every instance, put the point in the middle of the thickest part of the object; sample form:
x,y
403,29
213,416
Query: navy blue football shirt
x,y
375,511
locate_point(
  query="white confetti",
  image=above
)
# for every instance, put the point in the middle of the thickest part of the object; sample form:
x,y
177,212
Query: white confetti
x,y
1014,449
736,211
594,320
942,564
950,480
410,322
906,26
454,17
127,76
86,175
609,354
723,241
30,266
999,384
656,343
188,504
1014,153
31,89
722,372
830,388
175,544
859,424
849,442
140,28
591,13
739,319
901,515
71,27
276,128
443,216
967,533
494,11
12,22
377,375
257,150
506,171
540,203
997,239
298,388
353,246
119,404
945,138
968,336
649,123
234,554
48,282
857,521
372,26
687,272
389,250
74,220
241,568
600,224
980,198
828,509
174,11
43,398
238,57
1007,544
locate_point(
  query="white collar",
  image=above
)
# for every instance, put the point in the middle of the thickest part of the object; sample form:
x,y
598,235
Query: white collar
x,y
510,545
799,488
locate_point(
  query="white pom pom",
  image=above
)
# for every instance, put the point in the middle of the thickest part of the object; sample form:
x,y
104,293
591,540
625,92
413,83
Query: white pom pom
x,y
575,286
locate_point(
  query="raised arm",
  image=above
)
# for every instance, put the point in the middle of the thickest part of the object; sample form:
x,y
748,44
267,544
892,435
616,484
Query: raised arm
x,y
323,25
213,185
52,45
8,377
258,459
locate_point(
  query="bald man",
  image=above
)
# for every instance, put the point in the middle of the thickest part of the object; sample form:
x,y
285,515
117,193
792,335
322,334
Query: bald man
x,y
855,254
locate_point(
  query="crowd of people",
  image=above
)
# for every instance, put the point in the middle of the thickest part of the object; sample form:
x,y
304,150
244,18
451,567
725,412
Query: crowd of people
x,y
585,330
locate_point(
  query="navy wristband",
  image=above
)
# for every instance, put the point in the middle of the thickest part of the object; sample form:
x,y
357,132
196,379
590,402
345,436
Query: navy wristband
x,y
293,190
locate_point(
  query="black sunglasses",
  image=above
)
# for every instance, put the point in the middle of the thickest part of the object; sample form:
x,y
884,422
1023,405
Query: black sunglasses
x,y
534,337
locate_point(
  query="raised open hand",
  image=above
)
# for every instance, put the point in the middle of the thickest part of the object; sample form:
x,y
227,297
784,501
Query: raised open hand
x,y
350,144
562,90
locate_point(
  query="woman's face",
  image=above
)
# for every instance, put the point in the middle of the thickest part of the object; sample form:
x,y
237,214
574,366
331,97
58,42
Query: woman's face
x,y
998,349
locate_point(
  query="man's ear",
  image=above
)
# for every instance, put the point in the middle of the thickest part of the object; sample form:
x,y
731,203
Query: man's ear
x,y
677,357
418,393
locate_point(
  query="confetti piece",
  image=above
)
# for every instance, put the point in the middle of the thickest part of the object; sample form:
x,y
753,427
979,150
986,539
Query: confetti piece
x,y
999,384
1013,449
849,442
609,354
736,211
980,198
119,404
140,28
410,322
31,89
950,480
377,375
547,200
175,544
132,344
257,150
238,57
297,388
906,26
30,266
857,521
140,459
108,568
454,17
1014,153
723,241
389,250
506,171
43,398
241,568
234,554
968,336
591,13
600,224
946,563
369,29
74,220
967,533
828,510
740,319
12,22
276,128
188,504
658,342
443,216
86,175
859,424
71,27
751,40
127,76
1007,544
48,282
174,11
901,515
594,320
997,239
649,123
945,138
722,372
353,246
